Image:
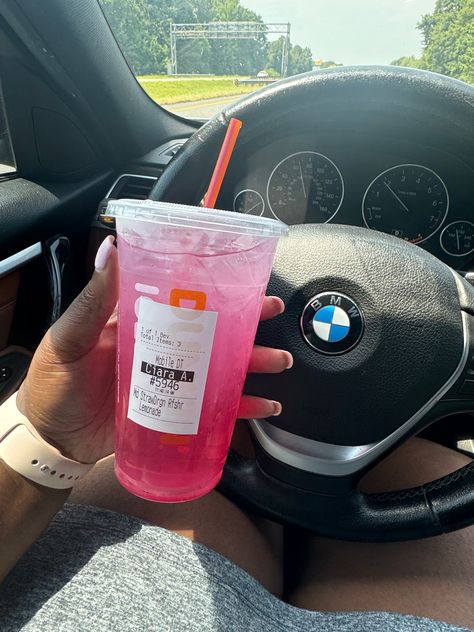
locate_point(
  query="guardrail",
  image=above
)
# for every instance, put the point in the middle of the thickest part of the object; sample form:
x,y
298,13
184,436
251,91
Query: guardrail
x,y
243,82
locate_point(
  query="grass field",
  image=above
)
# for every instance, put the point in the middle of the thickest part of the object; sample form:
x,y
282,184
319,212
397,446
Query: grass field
x,y
166,90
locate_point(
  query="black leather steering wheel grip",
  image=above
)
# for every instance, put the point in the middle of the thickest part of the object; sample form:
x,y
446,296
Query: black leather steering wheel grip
x,y
442,506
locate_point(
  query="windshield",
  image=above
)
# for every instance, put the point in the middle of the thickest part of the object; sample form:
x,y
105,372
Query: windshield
x,y
197,56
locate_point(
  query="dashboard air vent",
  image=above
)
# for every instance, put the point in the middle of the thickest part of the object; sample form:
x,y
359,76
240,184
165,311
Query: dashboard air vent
x,y
132,187
129,186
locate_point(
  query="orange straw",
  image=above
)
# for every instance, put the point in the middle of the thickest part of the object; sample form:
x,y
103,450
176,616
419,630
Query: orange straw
x,y
222,162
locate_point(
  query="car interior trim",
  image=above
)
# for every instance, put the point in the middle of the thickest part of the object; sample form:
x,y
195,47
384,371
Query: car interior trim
x,y
20,258
328,459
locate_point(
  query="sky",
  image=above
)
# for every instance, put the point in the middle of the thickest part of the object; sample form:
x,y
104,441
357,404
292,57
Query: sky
x,y
350,31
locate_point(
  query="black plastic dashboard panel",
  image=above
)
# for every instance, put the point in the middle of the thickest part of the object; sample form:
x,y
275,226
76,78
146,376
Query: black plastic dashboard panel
x,y
32,211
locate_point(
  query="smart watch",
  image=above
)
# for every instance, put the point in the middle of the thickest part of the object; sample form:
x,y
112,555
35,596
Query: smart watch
x,y
24,450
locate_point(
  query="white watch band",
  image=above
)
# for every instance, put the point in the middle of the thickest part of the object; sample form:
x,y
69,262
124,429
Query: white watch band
x,y
24,450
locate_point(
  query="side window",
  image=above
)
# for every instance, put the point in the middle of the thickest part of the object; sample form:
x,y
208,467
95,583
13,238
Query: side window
x,y
7,158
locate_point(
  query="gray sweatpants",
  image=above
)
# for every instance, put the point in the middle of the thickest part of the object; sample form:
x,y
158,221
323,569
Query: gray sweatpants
x,y
98,571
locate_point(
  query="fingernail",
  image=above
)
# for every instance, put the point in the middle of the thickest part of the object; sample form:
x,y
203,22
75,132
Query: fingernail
x,y
278,302
276,409
103,253
288,360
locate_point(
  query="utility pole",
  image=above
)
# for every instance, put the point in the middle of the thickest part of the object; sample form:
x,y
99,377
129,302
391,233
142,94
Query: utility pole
x,y
174,56
285,52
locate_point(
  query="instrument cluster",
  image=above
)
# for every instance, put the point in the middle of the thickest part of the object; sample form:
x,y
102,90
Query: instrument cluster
x,y
419,194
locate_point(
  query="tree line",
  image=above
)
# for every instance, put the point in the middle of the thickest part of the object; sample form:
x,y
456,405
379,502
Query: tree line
x,y
142,28
448,41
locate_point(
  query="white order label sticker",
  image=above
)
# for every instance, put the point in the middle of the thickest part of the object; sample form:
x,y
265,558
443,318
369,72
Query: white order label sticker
x,y
170,363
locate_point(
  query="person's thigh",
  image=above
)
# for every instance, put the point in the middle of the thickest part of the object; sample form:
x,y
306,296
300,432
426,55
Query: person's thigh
x,y
432,578
252,544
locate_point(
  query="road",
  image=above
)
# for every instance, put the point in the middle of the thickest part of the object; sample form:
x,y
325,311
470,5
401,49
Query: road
x,y
189,78
203,109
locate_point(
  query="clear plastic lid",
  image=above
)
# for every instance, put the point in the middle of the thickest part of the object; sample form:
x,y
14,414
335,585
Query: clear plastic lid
x,y
195,217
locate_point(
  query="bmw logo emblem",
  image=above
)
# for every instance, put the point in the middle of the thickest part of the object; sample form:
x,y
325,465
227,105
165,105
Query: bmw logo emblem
x,y
332,323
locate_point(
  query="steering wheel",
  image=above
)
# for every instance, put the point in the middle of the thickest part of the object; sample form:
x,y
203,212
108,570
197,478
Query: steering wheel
x,y
381,331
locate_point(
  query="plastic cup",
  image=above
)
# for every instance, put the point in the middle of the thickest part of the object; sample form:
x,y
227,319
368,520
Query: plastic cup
x,y
192,283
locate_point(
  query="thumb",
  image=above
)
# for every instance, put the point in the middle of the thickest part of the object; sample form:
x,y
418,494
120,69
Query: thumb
x,y
79,328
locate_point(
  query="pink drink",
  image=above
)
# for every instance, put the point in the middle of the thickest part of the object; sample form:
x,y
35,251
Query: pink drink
x,y
181,369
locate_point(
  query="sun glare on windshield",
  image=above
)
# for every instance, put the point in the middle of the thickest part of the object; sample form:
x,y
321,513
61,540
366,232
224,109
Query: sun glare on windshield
x,y
197,56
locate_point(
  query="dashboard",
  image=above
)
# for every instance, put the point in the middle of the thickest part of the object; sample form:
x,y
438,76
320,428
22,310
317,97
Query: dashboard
x,y
416,191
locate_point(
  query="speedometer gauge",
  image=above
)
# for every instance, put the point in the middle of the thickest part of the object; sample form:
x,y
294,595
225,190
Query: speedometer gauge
x,y
408,201
305,187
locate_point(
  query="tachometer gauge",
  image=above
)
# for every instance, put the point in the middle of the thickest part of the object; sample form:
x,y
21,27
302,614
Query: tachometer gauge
x,y
457,239
408,201
249,201
305,187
